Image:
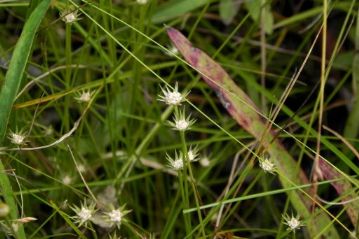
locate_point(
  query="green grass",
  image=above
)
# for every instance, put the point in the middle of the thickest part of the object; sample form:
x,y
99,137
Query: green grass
x,y
86,97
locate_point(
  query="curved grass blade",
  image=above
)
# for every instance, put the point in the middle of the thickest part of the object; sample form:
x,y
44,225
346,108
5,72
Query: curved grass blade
x,y
245,112
8,93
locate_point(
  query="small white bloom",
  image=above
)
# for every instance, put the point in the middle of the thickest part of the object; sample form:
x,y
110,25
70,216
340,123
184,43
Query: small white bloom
x,y
177,162
181,122
83,214
115,216
204,161
172,97
142,2
267,165
69,16
192,154
66,180
81,168
292,222
84,96
17,138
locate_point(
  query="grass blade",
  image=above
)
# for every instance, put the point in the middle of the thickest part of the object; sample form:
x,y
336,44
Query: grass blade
x,y
8,93
176,8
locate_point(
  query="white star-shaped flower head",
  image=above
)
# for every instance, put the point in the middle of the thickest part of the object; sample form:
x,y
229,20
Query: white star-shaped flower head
x,y
192,154
84,213
84,96
177,162
292,222
69,16
172,97
18,138
181,122
115,216
267,165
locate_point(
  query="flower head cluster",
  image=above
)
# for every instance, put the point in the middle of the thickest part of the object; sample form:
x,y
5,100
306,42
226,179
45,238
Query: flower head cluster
x,y
102,217
177,162
69,16
172,96
292,222
181,122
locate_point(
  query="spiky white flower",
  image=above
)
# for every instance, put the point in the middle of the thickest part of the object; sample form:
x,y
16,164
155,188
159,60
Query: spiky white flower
x,y
192,154
115,216
172,97
292,222
142,2
267,165
181,122
69,16
17,138
84,96
84,214
177,162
